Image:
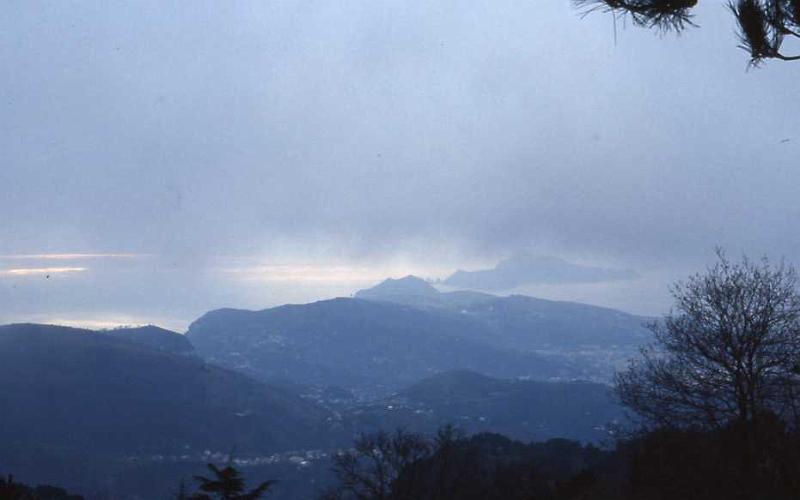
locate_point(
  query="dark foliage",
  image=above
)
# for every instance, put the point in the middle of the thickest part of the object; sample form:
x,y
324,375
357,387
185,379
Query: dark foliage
x,y
665,464
492,467
696,465
665,15
11,490
762,24
484,466
227,484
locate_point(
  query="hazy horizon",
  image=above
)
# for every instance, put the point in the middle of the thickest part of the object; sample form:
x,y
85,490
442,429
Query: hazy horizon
x,y
161,161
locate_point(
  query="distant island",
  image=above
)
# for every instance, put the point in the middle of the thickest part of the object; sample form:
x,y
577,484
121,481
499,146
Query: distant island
x,y
527,269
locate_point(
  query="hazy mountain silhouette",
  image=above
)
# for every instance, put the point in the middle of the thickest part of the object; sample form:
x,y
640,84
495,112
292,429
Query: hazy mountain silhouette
x,y
155,338
416,292
354,343
80,391
524,323
529,269
408,286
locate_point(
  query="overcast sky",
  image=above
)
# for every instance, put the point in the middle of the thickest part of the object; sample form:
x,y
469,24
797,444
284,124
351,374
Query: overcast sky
x,y
210,154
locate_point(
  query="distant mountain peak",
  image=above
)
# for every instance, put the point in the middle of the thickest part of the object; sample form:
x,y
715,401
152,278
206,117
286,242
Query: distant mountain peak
x,y
408,285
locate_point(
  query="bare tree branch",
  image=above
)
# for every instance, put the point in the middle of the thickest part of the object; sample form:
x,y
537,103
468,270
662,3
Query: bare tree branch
x,y
728,354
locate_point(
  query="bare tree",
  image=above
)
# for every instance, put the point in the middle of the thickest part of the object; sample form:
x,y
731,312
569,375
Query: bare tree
x,y
727,355
369,470
763,25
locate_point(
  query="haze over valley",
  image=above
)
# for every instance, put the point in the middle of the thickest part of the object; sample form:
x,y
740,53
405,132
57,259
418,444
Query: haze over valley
x,y
302,380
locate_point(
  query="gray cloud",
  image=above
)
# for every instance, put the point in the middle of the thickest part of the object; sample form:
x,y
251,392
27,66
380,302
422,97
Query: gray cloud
x,y
377,133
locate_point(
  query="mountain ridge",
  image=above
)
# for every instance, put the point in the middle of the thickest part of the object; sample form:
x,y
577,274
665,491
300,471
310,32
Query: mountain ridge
x,y
530,323
408,285
355,343
155,337
75,388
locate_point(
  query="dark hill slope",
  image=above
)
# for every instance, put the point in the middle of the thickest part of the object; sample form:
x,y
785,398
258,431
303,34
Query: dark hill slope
x,y
476,403
70,389
155,338
521,322
371,346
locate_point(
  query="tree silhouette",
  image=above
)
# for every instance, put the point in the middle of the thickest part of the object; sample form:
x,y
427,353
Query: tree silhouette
x,y
227,484
452,466
763,25
11,490
727,355
725,359
370,469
